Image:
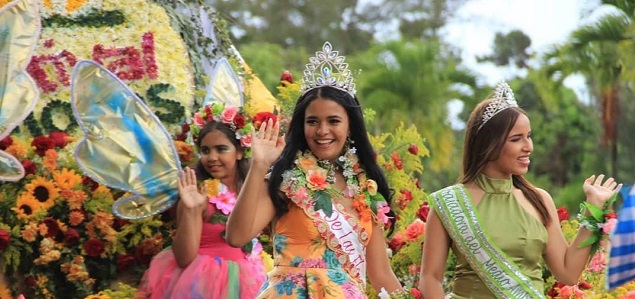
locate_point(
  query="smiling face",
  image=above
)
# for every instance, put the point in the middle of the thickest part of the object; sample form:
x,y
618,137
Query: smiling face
x,y
514,155
326,127
219,156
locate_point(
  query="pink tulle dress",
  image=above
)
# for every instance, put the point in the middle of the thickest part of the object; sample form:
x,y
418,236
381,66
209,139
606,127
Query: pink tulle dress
x,y
219,271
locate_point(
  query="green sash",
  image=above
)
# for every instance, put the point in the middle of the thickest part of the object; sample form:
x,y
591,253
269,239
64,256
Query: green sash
x,y
497,272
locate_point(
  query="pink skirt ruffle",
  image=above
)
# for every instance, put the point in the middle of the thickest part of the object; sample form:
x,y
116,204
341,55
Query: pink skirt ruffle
x,y
207,277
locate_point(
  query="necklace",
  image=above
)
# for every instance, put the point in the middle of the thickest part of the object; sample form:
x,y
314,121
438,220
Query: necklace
x,y
314,179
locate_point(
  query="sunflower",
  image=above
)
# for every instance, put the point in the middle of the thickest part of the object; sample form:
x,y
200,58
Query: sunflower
x,y
26,206
44,191
66,179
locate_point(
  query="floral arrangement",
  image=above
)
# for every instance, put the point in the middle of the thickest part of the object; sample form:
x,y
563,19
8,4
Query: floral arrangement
x,y
592,283
58,235
234,117
313,178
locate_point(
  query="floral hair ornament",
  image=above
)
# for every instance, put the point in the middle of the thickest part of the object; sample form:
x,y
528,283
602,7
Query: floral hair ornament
x,y
234,117
503,99
327,68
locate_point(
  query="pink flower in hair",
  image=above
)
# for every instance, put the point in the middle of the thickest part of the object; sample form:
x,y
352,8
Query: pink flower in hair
x,y
228,114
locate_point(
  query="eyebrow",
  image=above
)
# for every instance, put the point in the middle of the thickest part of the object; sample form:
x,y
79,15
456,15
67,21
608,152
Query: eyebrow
x,y
328,117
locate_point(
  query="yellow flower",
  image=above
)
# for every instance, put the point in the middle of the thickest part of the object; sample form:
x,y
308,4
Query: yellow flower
x,y
26,206
30,232
306,162
211,187
17,149
43,191
102,193
67,179
371,186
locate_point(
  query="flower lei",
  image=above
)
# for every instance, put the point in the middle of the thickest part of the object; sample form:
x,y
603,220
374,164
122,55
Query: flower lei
x,y
235,117
597,221
313,178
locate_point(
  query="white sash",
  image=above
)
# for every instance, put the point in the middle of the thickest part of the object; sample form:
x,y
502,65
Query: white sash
x,y
348,239
498,273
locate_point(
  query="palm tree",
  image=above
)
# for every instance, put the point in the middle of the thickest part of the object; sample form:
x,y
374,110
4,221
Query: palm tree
x,y
594,51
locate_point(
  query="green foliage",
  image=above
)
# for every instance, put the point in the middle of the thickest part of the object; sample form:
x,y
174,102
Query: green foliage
x,y
510,48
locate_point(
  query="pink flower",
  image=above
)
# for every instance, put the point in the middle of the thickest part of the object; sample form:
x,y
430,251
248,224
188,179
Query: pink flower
x,y
228,115
415,229
312,263
566,291
351,291
198,120
382,210
629,295
597,263
609,225
245,141
225,202
300,194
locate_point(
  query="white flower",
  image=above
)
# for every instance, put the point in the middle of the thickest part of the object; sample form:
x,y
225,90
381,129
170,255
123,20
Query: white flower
x,y
383,294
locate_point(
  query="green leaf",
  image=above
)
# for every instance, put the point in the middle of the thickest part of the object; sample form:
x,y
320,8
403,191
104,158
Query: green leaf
x,y
323,202
590,240
596,212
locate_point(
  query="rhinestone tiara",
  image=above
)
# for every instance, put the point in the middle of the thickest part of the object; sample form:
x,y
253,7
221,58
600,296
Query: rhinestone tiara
x,y
327,68
503,99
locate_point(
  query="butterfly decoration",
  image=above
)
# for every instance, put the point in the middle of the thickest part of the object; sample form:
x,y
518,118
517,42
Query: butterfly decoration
x,y
124,145
224,85
19,32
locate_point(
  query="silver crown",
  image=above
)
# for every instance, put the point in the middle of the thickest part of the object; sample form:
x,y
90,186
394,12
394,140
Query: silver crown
x,y
503,99
327,69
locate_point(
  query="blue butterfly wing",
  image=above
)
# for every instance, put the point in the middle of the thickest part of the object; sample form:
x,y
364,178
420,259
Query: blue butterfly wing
x,y
124,145
19,32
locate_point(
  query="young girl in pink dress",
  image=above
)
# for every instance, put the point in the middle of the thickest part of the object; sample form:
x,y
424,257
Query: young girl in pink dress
x,y
200,263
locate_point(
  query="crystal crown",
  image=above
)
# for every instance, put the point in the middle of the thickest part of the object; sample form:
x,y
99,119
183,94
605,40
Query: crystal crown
x,y
327,68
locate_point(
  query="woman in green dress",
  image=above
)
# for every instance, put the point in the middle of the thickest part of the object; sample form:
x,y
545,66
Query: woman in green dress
x,y
498,224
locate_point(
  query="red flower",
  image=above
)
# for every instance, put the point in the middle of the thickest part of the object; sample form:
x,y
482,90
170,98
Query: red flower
x,y
423,212
88,182
49,43
30,281
60,139
406,198
610,216
29,167
416,293
71,236
5,239
413,149
397,160
6,142
286,76
124,262
52,228
396,242
94,247
415,229
143,255
262,117
417,184
563,214
42,144
239,121
583,285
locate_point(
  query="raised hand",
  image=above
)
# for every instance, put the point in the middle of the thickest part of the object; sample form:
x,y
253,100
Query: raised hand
x,y
266,145
188,189
598,192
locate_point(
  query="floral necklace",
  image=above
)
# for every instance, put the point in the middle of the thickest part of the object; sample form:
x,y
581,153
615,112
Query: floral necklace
x,y
313,178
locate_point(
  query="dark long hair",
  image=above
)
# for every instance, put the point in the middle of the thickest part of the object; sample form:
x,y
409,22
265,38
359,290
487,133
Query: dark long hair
x,y
296,141
483,146
243,164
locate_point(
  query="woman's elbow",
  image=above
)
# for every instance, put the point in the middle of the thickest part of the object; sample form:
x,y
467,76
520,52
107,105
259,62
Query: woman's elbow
x,y
235,239
184,261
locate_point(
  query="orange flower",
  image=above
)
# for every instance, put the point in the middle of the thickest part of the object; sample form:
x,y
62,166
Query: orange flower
x,y
307,162
17,150
50,160
75,218
26,206
67,179
30,232
184,150
415,229
317,179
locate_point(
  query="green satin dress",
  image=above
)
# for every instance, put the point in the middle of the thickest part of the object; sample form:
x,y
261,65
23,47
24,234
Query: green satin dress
x,y
521,236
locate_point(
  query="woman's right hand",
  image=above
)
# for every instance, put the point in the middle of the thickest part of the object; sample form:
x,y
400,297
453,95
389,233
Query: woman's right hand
x,y
266,145
189,193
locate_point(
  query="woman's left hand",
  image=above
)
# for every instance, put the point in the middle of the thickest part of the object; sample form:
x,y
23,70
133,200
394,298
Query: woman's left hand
x,y
598,192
